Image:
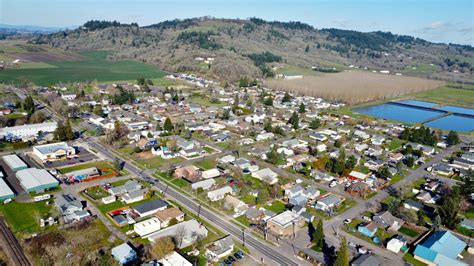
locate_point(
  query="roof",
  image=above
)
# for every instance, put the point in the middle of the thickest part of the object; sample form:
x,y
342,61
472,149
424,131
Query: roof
x,y
5,189
150,206
285,218
33,177
122,251
13,161
170,213
174,259
357,175
191,229
366,260
446,243
53,147
330,200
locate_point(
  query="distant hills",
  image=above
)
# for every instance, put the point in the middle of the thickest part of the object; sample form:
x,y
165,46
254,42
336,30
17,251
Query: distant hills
x,y
254,47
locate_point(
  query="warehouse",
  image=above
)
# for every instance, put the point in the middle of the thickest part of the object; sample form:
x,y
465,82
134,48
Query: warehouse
x,y
14,162
36,180
5,191
26,131
54,151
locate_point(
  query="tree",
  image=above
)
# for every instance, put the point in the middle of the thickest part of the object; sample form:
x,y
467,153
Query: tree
x,y
315,123
37,117
286,98
68,131
436,222
448,211
452,138
467,184
274,157
410,161
235,105
98,111
168,125
306,49
29,105
342,258
351,162
226,114
243,82
162,246
263,196
268,126
294,120
173,222
318,235
384,173
302,108
117,164
268,101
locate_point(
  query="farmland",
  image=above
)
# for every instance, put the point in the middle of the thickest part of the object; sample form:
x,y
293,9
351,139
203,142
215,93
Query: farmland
x,y
354,87
93,66
462,95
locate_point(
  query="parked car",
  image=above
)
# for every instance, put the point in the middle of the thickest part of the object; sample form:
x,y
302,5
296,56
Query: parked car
x,y
239,254
231,259
347,221
332,184
368,219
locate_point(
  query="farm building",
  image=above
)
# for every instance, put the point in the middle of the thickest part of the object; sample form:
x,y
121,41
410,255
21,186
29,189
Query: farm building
x,y
54,151
36,180
147,227
14,162
25,131
5,191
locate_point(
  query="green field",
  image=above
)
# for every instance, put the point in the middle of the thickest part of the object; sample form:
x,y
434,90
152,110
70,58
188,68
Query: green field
x,y
95,66
449,95
407,231
84,166
24,217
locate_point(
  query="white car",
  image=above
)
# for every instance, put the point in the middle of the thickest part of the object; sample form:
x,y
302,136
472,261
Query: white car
x,y
333,184
347,221
368,219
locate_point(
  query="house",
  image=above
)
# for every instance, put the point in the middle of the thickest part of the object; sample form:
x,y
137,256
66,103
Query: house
x,y
311,193
232,203
128,187
285,224
442,169
67,204
368,229
147,227
360,147
255,215
54,151
321,147
150,207
358,189
387,220
165,216
294,143
242,163
191,173
173,259
226,159
354,175
266,175
329,202
396,244
134,196
298,200
366,260
428,197
204,184
294,191
412,205
124,254
374,164
377,140
361,134
318,136
211,173
184,234
265,136
219,249
440,248
219,193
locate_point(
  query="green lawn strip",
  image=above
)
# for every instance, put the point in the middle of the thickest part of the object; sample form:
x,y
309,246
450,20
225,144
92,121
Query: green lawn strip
x,y
99,165
465,231
24,217
97,193
407,231
396,178
345,205
206,164
276,207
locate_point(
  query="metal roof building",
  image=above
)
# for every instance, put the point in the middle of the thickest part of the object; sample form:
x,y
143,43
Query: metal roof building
x,y
36,180
5,191
14,162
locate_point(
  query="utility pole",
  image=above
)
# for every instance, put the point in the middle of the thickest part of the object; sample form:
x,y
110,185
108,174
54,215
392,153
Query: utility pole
x,y
243,237
199,210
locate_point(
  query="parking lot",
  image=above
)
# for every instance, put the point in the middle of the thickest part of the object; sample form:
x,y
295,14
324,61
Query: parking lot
x,y
83,155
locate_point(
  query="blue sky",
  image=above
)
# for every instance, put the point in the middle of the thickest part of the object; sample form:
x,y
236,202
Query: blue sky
x,y
434,20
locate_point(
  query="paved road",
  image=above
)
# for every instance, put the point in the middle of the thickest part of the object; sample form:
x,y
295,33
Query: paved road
x,y
268,252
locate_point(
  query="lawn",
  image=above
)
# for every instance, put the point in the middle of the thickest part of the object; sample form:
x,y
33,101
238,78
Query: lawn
x,y
181,183
407,231
97,193
205,102
276,207
243,220
99,165
157,161
449,95
24,217
94,66
396,178
206,164
394,144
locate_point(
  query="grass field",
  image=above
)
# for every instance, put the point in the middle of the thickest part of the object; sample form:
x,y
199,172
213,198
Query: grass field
x,y
95,66
276,207
24,217
84,166
407,231
354,87
206,164
448,95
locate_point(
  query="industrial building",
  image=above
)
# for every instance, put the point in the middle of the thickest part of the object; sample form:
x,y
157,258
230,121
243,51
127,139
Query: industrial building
x,y
5,191
14,162
27,131
54,151
36,180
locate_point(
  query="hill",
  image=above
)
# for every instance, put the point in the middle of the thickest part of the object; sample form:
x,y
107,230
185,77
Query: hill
x,y
256,47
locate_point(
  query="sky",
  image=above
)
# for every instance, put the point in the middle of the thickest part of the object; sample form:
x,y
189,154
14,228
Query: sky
x,y
448,21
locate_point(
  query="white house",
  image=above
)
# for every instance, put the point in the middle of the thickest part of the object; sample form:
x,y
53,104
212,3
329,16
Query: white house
x,y
211,173
219,193
204,184
147,227
266,175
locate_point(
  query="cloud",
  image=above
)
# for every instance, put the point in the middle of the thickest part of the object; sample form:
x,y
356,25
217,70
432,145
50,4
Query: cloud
x,y
342,23
442,27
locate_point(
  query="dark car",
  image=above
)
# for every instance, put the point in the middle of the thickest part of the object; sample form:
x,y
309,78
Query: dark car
x,y
240,253
227,262
231,259
237,256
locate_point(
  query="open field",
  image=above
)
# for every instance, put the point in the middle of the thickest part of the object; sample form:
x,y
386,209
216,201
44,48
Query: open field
x,y
354,87
24,217
456,94
92,66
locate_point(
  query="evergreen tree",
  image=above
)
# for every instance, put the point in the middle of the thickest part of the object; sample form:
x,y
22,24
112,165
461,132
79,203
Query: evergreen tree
x,y
29,105
286,98
302,108
268,101
342,258
452,138
467,185
69,134
315,123
268,126
168,125
294,120
306,49
448,211
318,235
